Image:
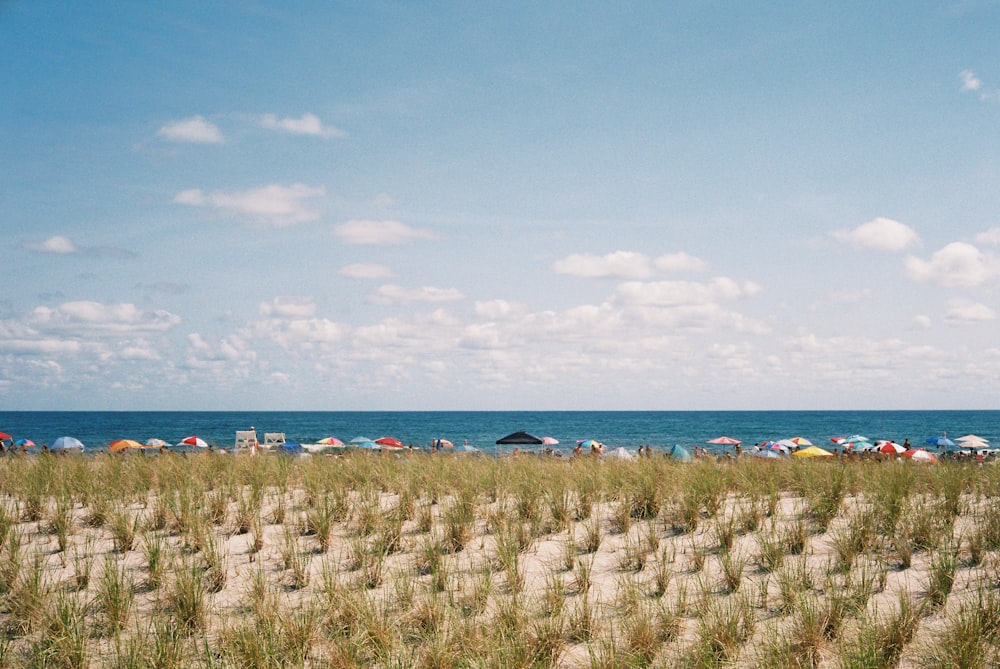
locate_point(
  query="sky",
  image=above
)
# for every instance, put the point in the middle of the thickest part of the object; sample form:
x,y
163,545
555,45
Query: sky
x,y
499,206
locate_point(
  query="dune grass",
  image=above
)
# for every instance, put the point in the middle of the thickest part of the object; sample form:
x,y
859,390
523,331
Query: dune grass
x,y
372,560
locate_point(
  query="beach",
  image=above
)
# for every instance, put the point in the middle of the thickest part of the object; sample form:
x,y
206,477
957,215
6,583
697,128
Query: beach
x,y
369,560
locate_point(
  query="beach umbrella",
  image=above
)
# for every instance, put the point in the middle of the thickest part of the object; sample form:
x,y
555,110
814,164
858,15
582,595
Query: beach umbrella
x,y
550,441
890,447
838,440
778,446
361,440
940,441
590,443
520,439
768,455
119,445
24,443
5,437
972,437
366,445
727,441
467,448
390,443
156,443
68,444
193,441
330,441
812,452
919,455
855,438
442,443
680,453
800,441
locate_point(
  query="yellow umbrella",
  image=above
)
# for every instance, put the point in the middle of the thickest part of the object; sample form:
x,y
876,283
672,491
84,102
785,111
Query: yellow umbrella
x,y
812,452
123,445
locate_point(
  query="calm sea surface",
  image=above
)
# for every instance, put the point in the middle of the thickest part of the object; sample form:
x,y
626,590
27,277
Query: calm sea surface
x,y
482,429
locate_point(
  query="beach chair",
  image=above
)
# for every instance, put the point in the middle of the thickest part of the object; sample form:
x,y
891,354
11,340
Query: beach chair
x,y
272,439
247,439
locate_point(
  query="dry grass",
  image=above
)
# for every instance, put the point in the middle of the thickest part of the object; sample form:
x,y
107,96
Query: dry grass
x,y
370,560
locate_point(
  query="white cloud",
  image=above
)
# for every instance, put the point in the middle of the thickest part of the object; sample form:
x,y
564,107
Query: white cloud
x,y
991,237
300,332
56,244
195,130
86,318
366,271
272,204
676,293
379,232
923,321
962,312
289,307
390,294
308,124
620,264
958,264
970,82
880,234
498,309
680,262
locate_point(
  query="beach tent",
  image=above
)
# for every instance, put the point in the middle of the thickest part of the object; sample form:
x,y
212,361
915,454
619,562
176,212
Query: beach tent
x,y
812,452
288,448
619,454
680,453
66,445
520,439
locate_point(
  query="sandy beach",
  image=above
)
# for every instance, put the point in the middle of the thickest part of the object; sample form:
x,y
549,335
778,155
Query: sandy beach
x,y
447,561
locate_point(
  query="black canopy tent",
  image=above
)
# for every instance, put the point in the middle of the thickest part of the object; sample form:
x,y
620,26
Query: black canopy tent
x,y
519,439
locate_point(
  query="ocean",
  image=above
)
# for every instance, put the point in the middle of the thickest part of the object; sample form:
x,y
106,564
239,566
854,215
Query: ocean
x,y
630,429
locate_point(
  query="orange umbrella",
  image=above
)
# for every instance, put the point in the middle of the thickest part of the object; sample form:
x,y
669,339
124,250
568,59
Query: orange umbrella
x,y
123,445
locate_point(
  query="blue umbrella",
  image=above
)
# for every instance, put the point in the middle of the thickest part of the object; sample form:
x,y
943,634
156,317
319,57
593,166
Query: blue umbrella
x,y
680,453
940,441
66,444
367,445
768,454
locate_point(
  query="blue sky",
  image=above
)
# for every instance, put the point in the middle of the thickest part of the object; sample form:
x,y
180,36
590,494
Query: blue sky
x,y
377,205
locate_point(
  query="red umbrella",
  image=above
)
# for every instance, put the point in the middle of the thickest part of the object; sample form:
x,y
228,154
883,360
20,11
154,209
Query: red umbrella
x,y
391,442
194,441
891,447
4,436
919,455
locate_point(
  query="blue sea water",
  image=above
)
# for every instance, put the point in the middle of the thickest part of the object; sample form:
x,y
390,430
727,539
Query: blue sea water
x,y
660,429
